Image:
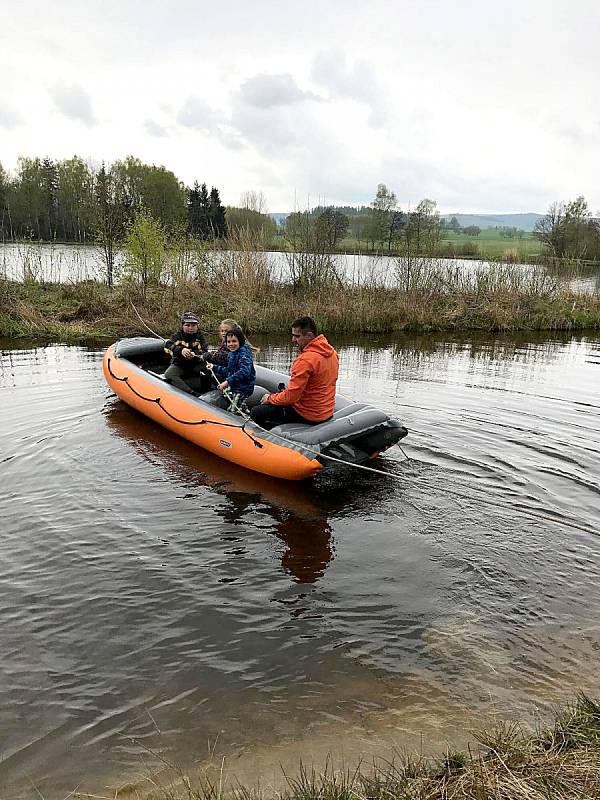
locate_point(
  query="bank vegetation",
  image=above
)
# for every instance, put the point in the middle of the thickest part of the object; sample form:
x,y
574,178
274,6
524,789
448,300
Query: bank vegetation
x,y
560,761
161,276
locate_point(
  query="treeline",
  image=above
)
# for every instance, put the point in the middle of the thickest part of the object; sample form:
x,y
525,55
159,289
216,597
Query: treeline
x,y
73,201
379,226
570,231
567,231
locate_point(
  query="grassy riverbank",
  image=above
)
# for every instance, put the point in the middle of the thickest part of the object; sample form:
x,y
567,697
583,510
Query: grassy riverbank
x,y
557,762
424,297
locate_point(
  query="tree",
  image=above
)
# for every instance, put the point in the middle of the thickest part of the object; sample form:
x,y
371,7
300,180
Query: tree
x,y
75,200
331,226
396,227
216,215
49,188
453,225
569,230
471,230
5,221
261,226
422,230
113,213
29,206
145,248
198,220
379,216
153,188
254,201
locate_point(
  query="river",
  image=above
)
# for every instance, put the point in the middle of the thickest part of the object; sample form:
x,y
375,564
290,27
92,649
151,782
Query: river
x,y
158,603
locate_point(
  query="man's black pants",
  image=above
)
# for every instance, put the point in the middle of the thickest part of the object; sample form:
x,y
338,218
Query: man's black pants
x,y
268,416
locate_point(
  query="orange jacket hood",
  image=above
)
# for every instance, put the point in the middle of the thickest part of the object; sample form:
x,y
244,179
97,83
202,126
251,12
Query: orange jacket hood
x,y
311,390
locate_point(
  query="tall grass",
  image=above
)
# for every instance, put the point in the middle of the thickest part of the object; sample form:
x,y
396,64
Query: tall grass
x,y
557,762
241,280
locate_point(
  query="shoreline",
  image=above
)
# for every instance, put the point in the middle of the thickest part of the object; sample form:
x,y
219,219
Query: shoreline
x,y
447,250
506,761
501,302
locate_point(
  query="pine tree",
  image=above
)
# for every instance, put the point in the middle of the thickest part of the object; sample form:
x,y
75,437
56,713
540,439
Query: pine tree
x,y
193,208
204,228
216,214
49,181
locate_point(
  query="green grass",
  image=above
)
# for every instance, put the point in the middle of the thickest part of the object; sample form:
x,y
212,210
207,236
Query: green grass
x,y
489,245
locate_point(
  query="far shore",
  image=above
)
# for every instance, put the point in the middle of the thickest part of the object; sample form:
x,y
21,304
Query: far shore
x,y
493,248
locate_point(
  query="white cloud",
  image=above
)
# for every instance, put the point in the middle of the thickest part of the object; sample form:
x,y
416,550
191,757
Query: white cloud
x,y
73,101
421,96
357,81
196,113
267,91
154,129
9,118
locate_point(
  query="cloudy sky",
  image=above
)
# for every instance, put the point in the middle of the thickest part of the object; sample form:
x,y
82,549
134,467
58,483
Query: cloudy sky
x,y
481,106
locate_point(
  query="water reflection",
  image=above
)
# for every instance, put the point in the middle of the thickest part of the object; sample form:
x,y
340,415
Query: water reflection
x,y
298,521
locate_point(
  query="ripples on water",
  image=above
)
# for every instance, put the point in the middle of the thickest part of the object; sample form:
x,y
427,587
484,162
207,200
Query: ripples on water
x,y
153,596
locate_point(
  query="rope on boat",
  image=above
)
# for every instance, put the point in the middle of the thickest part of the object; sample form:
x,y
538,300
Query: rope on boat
x,y
316,453
157,401
227,393
148,328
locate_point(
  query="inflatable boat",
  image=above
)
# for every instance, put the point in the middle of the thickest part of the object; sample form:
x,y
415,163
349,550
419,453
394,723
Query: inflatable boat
x,y
134,370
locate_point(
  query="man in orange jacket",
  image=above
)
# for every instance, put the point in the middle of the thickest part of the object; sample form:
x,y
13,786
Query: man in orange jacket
x,y
310,395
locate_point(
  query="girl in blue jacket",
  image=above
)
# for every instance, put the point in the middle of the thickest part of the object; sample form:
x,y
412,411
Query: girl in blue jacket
x,y
239,374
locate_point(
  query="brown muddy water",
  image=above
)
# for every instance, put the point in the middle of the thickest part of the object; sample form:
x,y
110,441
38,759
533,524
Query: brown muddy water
x,y
157,602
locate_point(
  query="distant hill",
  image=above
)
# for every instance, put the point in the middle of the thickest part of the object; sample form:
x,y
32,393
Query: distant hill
x,y
524,222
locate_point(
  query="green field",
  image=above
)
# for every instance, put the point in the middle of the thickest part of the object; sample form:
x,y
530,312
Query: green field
x,y
488,245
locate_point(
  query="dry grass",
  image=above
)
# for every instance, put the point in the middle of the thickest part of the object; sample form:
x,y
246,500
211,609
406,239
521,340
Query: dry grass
x,y
420,295
560,762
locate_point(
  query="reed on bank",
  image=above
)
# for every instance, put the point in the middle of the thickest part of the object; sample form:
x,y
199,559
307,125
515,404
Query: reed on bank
x,y
417,295
560,761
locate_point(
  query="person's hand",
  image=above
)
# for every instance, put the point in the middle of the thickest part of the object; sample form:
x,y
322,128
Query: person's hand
x,y
223,385
265,398
187,353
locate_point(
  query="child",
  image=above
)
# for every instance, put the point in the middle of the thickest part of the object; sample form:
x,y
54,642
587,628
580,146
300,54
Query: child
x,y
239,374
185,348
219,355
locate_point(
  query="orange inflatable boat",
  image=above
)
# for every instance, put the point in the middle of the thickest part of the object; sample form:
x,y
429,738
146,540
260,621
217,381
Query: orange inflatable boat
x,y
134,368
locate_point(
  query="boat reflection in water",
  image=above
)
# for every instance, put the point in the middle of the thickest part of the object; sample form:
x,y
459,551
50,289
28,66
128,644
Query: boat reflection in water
x,y
299,522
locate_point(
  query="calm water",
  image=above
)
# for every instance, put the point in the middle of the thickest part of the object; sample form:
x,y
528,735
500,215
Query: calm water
x,y
67,263
156,601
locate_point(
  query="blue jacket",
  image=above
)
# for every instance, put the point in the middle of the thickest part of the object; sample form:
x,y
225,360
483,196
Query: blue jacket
x,y
240,372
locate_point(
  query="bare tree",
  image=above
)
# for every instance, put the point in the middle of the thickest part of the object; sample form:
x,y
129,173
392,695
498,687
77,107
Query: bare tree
x,y
254,201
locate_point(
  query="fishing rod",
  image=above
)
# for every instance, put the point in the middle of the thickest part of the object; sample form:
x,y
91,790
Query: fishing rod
x,y
228,394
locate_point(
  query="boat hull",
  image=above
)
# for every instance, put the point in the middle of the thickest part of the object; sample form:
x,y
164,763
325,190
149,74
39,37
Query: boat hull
x,y
219,433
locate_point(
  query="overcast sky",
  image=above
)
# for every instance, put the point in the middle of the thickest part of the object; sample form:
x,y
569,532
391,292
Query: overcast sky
x,y
480,106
